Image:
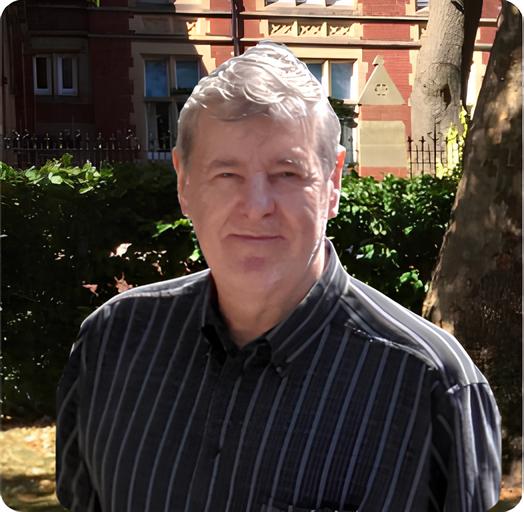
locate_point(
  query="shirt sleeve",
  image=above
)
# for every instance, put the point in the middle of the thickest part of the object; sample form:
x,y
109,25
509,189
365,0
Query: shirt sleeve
x,y
74,487
466,449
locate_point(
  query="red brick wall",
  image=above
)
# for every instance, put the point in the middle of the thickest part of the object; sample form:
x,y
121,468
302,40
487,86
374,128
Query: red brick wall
x,y
487,34
250,5
220,27
112,89
386,31
68,114
221,53
252,28
108,22
384,7
220,5
490,8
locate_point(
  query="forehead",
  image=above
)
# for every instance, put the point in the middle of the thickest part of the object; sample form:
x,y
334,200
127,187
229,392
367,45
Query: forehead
x,y
260,134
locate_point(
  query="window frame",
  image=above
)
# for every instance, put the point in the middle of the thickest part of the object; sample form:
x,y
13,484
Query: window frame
x,y
174,98
55,77
174,60
327,82
351,82
159,58
60,89
40,91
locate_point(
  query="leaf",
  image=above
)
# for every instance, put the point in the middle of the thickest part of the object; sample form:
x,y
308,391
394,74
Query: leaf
x,y
195,255
55,179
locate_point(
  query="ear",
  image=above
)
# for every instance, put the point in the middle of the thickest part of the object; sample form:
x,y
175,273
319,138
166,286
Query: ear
x,y
335,183
181,181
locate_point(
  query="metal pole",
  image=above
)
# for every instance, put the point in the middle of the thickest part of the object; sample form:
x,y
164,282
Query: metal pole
x,y
234,27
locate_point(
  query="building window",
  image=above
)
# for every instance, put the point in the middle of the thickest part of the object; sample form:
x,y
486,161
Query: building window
x,y
336,77
186,74
338,82
421,4
42,77
55,74
157,78
66,75
168,83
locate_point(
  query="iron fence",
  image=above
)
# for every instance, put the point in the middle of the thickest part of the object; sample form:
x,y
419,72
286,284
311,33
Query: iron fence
x,y
425,155
23,149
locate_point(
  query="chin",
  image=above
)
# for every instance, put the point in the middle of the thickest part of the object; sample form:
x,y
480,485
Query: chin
x,y
257,273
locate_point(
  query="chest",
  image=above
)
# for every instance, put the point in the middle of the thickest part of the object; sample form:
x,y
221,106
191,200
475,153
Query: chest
x,y
184,431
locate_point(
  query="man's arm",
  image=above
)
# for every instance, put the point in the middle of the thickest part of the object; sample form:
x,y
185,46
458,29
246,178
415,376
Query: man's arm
x,y
466,450
74,488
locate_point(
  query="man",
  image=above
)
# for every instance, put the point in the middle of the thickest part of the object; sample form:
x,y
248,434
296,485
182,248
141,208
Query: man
x,y
273,381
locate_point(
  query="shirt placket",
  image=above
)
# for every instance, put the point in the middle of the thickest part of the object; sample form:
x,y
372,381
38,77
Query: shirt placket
x,y
205,478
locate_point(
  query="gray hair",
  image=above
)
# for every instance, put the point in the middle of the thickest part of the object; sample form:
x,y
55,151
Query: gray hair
x,y
266,80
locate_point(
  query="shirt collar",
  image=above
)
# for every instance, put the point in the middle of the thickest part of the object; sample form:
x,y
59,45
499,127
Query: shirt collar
x,y
281,342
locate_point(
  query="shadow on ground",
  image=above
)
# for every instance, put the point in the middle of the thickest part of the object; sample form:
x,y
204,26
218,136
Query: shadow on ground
x,y
30,494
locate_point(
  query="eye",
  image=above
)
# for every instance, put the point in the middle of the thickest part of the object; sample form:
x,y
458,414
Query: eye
x,y
288,174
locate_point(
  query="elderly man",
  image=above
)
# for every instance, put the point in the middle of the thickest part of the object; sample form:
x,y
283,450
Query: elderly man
x,y
273,381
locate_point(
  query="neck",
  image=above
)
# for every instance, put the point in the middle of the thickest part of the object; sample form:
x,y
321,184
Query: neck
x,y
249,312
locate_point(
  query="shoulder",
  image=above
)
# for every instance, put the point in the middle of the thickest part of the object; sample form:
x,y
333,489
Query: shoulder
x,y
142,297
383,319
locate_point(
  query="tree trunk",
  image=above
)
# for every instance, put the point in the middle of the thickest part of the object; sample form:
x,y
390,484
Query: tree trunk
x,y
476,291
443,66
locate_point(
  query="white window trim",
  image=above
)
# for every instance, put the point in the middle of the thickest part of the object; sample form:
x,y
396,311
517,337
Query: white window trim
x,y
326,75
47,91
60,89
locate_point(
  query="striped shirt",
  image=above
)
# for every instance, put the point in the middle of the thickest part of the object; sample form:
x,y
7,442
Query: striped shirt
x,y
352,403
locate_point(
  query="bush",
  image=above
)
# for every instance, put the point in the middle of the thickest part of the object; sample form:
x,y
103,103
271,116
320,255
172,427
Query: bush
x,y
75,236
63,233
388,233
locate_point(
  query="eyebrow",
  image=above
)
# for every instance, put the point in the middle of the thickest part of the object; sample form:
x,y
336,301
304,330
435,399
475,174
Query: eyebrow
x,y
297,163
219,163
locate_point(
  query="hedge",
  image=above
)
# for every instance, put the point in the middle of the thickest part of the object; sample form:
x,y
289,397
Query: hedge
x,y
66,233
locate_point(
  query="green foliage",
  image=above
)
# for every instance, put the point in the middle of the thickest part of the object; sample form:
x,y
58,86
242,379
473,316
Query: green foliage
x,y
75,236
388,233
61,228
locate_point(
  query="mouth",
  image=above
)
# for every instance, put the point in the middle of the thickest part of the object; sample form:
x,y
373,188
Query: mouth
x,y
255,238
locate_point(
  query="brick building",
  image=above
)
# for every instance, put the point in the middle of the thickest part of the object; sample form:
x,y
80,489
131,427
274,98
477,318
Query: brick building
x,y
130,64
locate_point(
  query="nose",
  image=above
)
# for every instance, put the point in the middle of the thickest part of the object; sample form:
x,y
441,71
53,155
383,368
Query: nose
x,y
257,196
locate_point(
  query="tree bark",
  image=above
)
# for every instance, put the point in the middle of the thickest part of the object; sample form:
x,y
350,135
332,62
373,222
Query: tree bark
x,y
476,291
443,65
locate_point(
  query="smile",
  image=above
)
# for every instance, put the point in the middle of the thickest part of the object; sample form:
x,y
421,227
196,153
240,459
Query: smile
x,y
256,238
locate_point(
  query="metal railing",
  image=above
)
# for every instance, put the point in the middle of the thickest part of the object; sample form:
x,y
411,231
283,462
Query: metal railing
x,y
425,155
23,149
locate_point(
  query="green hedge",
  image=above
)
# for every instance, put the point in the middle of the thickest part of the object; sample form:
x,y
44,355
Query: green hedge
x,y
62,225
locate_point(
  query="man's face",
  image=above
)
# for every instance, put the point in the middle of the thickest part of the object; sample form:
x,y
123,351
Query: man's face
x,y
258,199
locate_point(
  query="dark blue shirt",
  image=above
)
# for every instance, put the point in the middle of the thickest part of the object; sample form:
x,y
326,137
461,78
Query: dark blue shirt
x,y
352,403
